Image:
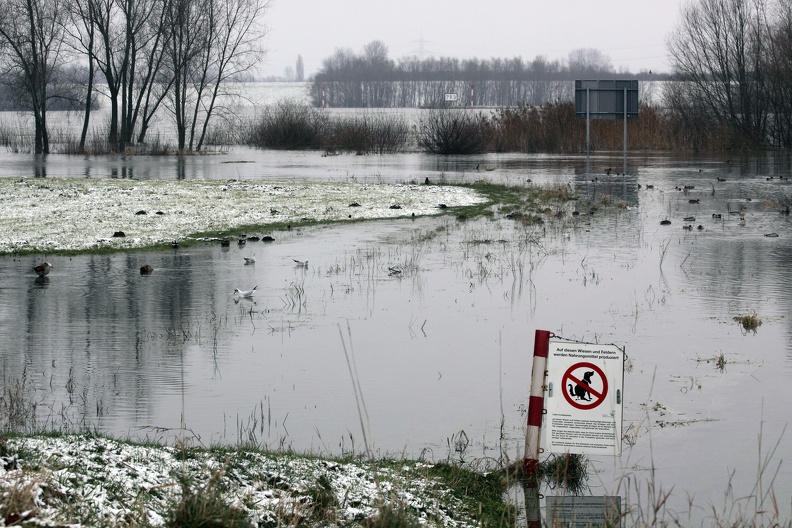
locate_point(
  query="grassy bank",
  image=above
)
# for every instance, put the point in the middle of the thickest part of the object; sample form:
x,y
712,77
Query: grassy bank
x,y
87,480
70,215
65,216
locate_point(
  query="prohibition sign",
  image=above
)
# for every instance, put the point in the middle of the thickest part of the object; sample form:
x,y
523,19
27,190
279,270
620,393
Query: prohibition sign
x,y
580,385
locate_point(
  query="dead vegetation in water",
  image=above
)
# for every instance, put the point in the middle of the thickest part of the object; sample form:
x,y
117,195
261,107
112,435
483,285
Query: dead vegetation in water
x,y
719,360
749,322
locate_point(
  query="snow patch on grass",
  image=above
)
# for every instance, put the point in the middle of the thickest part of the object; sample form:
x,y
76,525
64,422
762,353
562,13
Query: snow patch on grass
x,y
82,215
84,480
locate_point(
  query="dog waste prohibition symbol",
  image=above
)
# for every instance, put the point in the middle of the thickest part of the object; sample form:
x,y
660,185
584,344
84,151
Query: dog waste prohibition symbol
x,y
585,386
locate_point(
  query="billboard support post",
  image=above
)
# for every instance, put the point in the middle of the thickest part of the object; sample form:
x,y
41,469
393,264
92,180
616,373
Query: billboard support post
x,y
625,131
588,123
601,99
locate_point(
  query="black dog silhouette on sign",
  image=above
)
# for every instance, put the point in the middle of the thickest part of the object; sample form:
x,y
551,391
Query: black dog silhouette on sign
x,y
580,390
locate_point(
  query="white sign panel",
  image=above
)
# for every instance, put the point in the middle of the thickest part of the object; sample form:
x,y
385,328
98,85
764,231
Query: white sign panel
x,y
584,512
584,398
451,97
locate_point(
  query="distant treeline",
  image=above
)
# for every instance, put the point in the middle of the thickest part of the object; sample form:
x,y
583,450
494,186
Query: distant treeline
x,y
372,80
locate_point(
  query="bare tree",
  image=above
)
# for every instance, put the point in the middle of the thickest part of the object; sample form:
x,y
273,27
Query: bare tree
x,y
590,61
212,42
32,36
131,49
779,73
718,49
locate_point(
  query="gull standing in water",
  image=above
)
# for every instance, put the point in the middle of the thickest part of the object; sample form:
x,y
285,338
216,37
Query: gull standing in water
x,y
301,263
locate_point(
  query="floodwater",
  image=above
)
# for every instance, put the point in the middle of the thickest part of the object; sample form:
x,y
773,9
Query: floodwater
x,y
435,361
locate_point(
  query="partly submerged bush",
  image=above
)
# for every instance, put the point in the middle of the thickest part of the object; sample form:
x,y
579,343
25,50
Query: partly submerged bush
x,y
289,126
451,131
370,133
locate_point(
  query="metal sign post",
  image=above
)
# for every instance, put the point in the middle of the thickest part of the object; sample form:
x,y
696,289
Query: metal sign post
x,y
588,123
533,514
625,129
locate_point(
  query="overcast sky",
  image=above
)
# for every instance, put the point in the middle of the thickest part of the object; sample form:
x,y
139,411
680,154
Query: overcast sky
x,y
631,32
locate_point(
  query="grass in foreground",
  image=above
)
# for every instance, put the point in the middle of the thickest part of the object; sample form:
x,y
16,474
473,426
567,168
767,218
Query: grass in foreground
x,y
94,481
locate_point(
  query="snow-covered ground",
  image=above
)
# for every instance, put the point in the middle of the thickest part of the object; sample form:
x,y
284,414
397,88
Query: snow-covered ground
x,y
84,214
91,481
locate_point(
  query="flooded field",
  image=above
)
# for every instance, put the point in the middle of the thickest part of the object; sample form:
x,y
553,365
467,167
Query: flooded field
x,y
433,320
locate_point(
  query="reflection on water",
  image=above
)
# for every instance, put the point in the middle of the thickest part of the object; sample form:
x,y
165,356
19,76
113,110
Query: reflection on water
x,y
445,345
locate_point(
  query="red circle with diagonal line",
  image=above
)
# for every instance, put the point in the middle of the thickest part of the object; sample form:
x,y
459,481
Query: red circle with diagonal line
x,y
580,389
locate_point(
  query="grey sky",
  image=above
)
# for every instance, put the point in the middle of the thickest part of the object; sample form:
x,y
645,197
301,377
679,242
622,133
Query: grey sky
x,y
631,32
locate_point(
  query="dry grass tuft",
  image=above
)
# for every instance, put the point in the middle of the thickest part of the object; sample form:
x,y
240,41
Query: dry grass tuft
x,y
18,493
749,322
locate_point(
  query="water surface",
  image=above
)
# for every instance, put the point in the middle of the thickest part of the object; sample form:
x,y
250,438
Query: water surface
x,y
444,347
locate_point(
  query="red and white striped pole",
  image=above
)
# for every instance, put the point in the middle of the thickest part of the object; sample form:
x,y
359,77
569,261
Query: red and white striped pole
x,y
533,515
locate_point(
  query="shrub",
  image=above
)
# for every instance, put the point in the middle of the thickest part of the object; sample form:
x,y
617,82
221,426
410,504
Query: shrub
x,y
289,126
447,131
368,134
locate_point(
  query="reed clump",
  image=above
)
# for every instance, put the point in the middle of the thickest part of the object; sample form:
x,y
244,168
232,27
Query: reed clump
x,y
749,322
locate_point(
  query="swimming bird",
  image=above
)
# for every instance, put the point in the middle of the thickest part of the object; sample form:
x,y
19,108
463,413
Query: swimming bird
x,y
43,268
245,293
301,263
146,269
251,259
